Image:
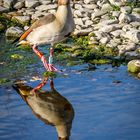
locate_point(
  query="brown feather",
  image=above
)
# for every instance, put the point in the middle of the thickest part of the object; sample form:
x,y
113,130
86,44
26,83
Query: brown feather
x,y
42,21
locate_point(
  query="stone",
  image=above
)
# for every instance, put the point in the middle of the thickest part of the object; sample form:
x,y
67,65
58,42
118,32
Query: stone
x,y
138,75
134,66
14,32
133,35
125,18
3,9
78,7
2,27
125,48
78,21
45,2
82,32
90,1
136,10
88,23
115,13
97,13
31,3
78,13
126,9
110,28
19,5
127,27
116,2
46,7
8,3
90,6
132,55
106,7
104,40
117,33
135,17
23,20
135,24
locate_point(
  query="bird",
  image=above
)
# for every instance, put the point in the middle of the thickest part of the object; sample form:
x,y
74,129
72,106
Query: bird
x,y
50,29
50,107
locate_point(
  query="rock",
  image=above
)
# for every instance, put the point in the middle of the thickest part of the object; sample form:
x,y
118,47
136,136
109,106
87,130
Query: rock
x,y
93,40
136,10
97,13
132,55
78,21
134,66
46,7
115,13
106,7
117,33
88,23
78,13
14,32
139,75
126,9
82,32
127,27
104,40
116,2
3,9
110,28
2,27
31,3
23,20
125,48
135,17
90,1
45,2
133,35
124,18
135,24
90,6
8,3
19,5
78,7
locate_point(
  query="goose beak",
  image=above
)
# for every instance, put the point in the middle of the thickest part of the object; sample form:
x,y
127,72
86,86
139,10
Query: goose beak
x,y
22,43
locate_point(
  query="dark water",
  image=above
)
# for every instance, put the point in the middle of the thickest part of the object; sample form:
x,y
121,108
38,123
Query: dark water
x,y
106,103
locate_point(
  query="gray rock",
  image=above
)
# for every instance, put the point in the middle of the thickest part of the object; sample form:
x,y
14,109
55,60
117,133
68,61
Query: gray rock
x,y
8,3
98,13
88,23
134,66
78,6
135,24
126,9
14,32
78,21
45,2
78,13
126,48
117,33
19,5
116,2
24,20
127,27
90,1
136,10
133,35
132,55
125,18
3,9
90,6
82,32
116,13
31,3
46,7
106,7
135,17
112,44
104,40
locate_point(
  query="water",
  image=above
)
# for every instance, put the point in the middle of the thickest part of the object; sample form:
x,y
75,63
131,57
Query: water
x,y
106,103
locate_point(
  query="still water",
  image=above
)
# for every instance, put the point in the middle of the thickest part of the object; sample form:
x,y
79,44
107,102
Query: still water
x,y
106,102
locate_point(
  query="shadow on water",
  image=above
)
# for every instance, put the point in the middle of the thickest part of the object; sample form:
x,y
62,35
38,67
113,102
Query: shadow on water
x,y
49,106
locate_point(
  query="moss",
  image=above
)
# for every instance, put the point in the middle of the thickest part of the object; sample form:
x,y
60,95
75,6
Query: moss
x,y
4,80
115,8
50,74
100,61
135,4
16,56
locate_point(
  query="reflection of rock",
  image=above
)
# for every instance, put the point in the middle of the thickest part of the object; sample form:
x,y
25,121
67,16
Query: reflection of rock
x,y
134,66
50,107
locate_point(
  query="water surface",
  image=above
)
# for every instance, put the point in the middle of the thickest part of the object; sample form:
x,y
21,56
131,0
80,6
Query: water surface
x,y
106,103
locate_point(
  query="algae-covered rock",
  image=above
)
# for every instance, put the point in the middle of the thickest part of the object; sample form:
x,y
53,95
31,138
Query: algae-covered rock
x,y
2,27
23,20
134,66
14,32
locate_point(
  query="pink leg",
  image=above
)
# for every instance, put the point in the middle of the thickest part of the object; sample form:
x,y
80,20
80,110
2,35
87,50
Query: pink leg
x,y
41,56
40,85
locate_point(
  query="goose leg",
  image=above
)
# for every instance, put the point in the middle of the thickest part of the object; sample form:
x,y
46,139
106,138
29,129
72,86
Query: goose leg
x,y
51,67
41,56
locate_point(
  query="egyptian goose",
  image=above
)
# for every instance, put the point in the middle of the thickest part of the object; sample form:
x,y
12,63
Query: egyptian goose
x,y
50,107
49,29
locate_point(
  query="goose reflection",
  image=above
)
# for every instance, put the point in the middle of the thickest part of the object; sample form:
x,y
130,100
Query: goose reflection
x,y
49,106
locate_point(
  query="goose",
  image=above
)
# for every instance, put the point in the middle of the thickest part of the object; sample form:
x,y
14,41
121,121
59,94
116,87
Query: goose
x,y
50,29
50,107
